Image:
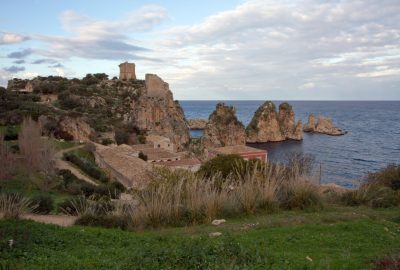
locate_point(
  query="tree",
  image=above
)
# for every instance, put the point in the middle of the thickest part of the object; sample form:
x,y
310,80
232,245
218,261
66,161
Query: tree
x,y
37,153
224,164
7,160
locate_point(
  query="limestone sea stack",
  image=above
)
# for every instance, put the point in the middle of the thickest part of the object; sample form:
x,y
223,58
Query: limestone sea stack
x,y
197,124
223,128
268,125
324,125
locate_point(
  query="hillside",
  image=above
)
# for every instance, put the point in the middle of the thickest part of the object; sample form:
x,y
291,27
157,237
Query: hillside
x,y
96,108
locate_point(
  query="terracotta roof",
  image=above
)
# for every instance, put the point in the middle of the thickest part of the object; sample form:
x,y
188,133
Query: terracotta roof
x,y
236,149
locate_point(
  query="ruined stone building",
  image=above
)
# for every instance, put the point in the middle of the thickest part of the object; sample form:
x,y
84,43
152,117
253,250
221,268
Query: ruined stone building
x,y
127,71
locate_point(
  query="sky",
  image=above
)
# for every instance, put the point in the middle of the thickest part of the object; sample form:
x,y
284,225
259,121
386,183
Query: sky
x,y
212,49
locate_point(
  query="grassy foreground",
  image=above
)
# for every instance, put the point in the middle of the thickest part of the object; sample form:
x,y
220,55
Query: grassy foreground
x,y
336,238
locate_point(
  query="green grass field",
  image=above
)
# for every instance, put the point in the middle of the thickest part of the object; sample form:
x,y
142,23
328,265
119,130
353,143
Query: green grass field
x,y
336,238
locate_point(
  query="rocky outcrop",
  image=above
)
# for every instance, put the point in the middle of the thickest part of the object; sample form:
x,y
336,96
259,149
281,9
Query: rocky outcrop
x,y
197,124
324,125
223,128
268,125
156,112
77,129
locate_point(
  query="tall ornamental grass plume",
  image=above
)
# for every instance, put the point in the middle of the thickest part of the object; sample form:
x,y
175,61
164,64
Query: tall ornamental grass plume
x,y
13,205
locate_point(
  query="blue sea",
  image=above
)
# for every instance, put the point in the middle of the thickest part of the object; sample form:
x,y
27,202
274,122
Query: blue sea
x,y
372,141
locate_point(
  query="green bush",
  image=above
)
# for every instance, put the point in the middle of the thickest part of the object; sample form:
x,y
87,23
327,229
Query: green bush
x,y
107,141
42,203
106,221
389,177
224,164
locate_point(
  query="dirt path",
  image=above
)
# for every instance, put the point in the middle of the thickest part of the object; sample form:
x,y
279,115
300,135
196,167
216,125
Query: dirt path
x,y
64,165
60,220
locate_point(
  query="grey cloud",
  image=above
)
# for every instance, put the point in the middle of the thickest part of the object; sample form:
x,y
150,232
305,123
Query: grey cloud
x,y
44,60
99,39
20,54
14,69
21,61
58,65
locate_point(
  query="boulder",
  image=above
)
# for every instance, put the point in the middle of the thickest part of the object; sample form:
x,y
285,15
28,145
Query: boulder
x,y
223,128
215,234
269,126
217,222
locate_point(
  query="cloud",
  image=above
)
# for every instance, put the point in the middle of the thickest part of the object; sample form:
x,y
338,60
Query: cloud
x,y
58,65
20,54
10,38
21,61
280,49
44,60
14,69
101,39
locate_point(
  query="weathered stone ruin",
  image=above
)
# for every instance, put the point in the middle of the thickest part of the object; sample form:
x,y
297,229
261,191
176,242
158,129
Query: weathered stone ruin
x,y
127,71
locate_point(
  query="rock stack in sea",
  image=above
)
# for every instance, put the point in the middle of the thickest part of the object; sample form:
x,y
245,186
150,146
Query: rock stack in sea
x,y
324,125
268,125
223,128
197,124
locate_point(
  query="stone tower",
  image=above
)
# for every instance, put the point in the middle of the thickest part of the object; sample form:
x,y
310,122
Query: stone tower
x,y
127,71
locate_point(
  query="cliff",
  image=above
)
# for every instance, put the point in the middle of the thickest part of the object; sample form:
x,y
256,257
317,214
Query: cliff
x,y
324,125
223,128
268,125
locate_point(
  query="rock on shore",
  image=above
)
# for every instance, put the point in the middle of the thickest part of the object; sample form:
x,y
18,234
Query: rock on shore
x,y
268,125
223,128
324,125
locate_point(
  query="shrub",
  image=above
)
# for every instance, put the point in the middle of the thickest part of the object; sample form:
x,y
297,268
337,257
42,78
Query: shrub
x,y
75,206
106,221
42,203
87,167
224,164
142,156
12,205
121,136
107,141
389,177
303,195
